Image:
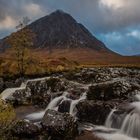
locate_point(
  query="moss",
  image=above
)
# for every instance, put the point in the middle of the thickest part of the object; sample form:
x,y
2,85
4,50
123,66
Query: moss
x,y
7,115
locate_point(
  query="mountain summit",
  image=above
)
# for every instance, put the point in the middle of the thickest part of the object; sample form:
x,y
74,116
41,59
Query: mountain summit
x,y
61,30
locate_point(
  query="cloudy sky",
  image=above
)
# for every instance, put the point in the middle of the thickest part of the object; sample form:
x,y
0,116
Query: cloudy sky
x,y
115,22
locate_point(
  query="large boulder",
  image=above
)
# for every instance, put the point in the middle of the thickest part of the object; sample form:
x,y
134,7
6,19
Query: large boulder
x,y
111,90
24,129
60,126
26,97
94,112
55,84
1,85
38,92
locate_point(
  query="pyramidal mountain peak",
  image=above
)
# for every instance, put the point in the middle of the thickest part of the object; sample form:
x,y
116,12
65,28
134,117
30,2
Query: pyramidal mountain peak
x,y
61,30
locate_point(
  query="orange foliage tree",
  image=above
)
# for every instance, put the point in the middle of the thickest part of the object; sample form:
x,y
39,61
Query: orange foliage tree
x,y
21,42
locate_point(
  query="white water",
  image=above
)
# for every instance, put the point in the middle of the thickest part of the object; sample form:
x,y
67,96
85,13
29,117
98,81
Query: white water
x,y
109,119
107,133
75,102
35,116
8,93
115,136
137,97
128,124
54,104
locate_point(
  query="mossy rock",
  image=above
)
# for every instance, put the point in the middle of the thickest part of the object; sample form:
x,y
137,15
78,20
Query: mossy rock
x,y
7,115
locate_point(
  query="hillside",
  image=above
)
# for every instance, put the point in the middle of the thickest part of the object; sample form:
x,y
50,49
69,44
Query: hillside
x,y
61,42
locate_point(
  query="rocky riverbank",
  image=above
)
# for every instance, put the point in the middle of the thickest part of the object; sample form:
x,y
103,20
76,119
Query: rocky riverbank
x,y
55,107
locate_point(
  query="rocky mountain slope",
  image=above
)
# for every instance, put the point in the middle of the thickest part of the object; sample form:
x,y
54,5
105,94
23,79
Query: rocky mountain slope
x,y
60,29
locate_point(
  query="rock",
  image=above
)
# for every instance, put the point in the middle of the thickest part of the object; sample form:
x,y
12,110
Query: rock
x,y
19,81
41,100
64,106
1,85
102,77
60,126
75,92
94,112
20,97
55,84
25,97
24,129
113,90
37,87
9,84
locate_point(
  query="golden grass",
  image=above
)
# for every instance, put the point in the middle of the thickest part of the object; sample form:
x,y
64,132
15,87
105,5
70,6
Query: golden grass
x,y
41,61
7,114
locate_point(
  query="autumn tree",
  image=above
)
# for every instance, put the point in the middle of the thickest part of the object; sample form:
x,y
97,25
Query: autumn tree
x,y
21,42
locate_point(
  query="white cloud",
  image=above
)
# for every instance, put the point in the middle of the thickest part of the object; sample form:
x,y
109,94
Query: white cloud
x,y
7,23
33,10
113,3
135,34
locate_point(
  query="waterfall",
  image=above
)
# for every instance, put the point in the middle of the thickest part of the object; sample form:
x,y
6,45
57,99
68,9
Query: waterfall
x,y
114,120
35,116
106,133
75,102
55,102
131,125
127,123
8,93
137,97
109,120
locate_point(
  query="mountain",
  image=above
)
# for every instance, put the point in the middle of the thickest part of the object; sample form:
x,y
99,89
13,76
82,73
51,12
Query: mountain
x,y
59,35
61,30
137,55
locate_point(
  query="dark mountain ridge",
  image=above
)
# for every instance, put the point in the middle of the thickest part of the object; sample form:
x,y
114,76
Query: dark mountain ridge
x,y
61,30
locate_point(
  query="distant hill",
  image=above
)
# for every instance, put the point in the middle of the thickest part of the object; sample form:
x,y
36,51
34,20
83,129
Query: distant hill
x,y
137,55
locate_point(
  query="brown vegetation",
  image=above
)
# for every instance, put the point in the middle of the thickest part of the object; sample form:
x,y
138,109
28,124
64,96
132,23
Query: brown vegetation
x,y
41,61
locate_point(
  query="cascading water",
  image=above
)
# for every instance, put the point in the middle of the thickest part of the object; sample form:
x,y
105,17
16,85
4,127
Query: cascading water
x,y
7,93
128,122
75,102
109,120
54,104
131,125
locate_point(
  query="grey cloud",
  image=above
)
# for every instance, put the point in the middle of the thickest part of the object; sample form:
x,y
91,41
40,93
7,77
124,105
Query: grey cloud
x,y
99,17
96,16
